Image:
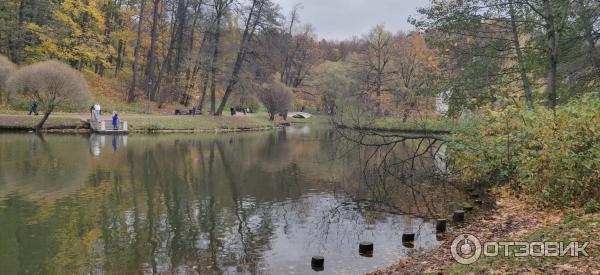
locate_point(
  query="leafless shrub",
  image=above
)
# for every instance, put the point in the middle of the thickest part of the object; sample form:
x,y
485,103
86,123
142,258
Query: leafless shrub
x,y
6,69
246,100
50,84
277,98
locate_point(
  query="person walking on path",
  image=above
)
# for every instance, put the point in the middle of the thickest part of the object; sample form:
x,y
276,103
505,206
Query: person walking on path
x,y
33,108
115,121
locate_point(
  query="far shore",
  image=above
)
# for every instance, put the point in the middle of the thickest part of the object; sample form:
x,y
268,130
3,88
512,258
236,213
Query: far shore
x,y
140,123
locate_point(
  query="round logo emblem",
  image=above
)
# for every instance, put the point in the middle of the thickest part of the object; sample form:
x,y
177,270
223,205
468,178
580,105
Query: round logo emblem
x,y
466,249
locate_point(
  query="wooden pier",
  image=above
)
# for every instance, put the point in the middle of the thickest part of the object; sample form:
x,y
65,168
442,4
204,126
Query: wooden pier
x,y
105,127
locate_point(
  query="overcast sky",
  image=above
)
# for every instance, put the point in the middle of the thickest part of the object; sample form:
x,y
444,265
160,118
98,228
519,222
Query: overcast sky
x,y
342,19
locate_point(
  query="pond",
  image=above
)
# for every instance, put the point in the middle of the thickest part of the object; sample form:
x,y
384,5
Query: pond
x,y
238,203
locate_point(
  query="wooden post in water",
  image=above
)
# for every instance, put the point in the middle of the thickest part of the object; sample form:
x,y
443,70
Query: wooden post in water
x,y
440,226
317,263
458,216
408,240
365,249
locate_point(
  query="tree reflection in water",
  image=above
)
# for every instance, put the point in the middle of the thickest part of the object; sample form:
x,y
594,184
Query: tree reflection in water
x,y
214,204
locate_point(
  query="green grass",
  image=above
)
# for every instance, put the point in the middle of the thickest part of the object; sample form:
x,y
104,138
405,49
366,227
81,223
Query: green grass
x,y
315,119
24,121
396,123
158,122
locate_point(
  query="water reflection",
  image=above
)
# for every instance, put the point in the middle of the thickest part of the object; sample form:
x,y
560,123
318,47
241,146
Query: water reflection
x,y
213,204
98,143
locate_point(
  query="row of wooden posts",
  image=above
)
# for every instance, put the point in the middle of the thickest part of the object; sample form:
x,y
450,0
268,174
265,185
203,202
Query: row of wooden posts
x,y
365,249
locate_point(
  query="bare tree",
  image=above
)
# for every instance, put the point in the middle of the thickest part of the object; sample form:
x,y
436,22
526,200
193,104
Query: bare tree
x,y
152,52
6,69
220,8
261,14
277,98
51,84
379,55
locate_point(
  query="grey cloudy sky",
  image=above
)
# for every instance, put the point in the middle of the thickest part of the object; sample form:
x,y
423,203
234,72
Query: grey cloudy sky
x,y
342,19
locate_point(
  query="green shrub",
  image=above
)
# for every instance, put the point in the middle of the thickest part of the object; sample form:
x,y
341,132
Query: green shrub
x,y
591,206
553,156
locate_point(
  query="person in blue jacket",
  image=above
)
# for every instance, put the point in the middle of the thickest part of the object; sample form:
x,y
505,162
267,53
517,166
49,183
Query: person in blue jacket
x,y
115,121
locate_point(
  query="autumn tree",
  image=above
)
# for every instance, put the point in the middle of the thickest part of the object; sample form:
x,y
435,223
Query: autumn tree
x,y
259,15
334,83
413,65
51,84
301,55
377,57
76,35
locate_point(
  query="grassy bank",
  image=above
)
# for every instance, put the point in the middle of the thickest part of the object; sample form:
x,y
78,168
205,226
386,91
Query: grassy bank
x,y
144,123
398,124
395,123
513,217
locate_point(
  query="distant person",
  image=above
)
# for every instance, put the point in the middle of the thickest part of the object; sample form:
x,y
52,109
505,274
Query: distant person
x,y
115,121
33,108
232,110
92,111
244,110
97,110
194,111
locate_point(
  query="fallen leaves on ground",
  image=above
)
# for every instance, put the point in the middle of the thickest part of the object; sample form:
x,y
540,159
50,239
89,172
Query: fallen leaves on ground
x,y
514,218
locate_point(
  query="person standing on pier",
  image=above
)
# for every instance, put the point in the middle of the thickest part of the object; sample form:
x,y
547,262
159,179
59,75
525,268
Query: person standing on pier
x,y
115,121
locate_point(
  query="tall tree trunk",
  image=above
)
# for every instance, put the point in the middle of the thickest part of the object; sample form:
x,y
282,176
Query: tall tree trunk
x,y
165,66
588,33
552,54
287,37
520,60
204,76
252,22
152,52
40,124
120,52
213,64
16,43
181,17
136,54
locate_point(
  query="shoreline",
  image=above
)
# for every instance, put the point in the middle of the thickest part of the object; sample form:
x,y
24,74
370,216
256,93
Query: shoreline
x,y
83,130
512,217
396,130
150,124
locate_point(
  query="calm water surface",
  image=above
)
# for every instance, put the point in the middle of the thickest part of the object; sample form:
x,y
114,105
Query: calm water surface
x,y
258,203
